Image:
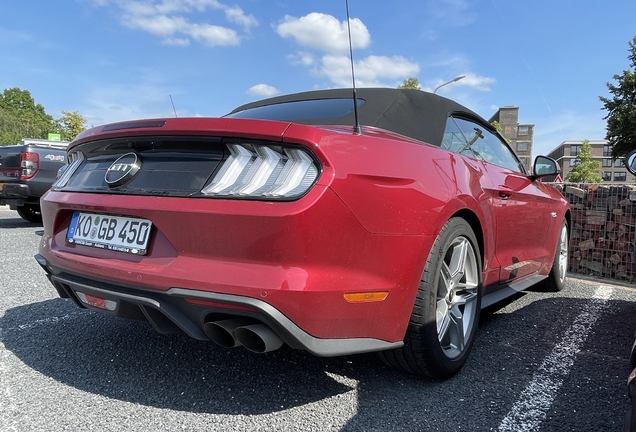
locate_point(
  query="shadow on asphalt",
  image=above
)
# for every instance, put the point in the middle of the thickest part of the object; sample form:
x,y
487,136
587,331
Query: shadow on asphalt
x,y
128,361
17,222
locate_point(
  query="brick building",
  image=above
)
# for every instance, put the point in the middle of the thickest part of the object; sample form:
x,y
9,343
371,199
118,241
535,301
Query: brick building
x,y
520,136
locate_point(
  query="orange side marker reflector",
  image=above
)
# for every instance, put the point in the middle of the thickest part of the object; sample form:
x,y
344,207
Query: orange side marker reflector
x,y
366,296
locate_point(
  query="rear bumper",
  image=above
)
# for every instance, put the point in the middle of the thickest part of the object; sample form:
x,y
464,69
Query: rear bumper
x,y
286,264
13,194
183,310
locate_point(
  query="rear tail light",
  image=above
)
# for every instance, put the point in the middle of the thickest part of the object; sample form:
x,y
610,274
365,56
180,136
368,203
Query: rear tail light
x,y
64,174
259,171
29,165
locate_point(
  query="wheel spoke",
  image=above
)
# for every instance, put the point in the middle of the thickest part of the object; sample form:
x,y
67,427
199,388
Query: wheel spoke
x,y
457,264
466,297
443,318
457,334
446,281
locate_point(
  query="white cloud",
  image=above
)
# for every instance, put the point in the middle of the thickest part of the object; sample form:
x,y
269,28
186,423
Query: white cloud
x,y
475,81
160,25
324,32
370,72
236,15
263,90
165,18
212,35
301,58
232,13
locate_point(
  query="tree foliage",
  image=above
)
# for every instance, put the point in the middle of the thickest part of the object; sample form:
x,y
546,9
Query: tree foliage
x,y
70,125
410,83
586,169
21,117
621,108
497,126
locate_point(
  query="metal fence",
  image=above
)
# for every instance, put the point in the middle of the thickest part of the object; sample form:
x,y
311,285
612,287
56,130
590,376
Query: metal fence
x,y
602,232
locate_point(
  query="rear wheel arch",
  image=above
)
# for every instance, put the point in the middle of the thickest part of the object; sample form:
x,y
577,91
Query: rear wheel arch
x,y
473,220
445,315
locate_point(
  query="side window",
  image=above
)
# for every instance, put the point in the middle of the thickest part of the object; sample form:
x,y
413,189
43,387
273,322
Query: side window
x,y
454,139
487,146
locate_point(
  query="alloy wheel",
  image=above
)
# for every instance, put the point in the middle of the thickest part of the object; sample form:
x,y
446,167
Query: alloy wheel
x,y
457,297
563,253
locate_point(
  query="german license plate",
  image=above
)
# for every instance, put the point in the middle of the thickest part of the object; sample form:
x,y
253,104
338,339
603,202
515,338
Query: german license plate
x,y
118,233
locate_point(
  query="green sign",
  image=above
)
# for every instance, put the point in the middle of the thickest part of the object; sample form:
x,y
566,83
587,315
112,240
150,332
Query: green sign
x,y
55,137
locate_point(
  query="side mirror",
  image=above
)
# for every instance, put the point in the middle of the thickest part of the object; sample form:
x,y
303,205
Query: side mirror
x,y
544,166
630,162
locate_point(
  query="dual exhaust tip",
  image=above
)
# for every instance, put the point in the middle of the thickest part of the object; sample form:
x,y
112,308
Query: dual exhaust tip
x,y
234,332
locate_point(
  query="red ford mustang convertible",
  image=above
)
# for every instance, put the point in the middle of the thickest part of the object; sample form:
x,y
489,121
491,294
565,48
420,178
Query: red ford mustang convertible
x,y
280,223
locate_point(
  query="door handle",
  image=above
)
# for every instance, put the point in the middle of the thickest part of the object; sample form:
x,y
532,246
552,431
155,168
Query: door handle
x,y
504,191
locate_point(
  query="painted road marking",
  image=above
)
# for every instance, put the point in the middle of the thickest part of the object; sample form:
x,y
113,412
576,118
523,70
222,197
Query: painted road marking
x,y
534,402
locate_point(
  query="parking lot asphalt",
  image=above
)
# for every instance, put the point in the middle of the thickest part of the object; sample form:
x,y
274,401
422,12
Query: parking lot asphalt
x,y
544,362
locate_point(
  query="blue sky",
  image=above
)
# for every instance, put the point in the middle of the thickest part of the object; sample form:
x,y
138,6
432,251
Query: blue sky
x,y
114,60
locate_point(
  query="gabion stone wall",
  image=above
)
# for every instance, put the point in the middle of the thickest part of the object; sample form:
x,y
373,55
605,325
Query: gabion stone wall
x,y
602,232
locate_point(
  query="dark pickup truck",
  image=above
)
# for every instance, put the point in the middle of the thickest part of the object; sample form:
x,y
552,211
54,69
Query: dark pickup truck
x,y
27,171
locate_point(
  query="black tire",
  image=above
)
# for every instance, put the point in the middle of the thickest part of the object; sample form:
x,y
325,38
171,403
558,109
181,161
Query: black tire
x,y
30,213
448,303
556,279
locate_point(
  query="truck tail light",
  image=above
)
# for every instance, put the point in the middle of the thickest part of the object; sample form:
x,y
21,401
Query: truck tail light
x,y
29,164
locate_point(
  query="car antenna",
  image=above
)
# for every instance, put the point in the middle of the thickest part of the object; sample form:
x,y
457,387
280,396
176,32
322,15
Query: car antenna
x,y
356,127
173,108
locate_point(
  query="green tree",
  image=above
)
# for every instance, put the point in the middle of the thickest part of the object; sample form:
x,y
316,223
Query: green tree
x,y
621,108
21,117
70,125
586,169
410,83
497,126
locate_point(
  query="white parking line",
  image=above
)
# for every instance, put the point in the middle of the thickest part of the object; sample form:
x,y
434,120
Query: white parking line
x,y
534,402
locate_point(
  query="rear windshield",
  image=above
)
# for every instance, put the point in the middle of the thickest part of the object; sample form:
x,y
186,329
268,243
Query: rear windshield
x,y
316,109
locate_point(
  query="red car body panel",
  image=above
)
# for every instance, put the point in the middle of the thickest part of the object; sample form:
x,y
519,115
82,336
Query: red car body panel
x,y
246,253
367,225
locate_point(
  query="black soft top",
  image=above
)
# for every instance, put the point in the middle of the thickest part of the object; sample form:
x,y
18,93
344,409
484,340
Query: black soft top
x,y
412,113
